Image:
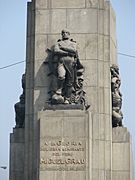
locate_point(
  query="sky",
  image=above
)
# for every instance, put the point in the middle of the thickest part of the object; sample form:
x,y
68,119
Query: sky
x,y
13,49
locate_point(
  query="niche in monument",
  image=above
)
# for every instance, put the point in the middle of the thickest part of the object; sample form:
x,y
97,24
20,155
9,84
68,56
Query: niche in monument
x,y
66,71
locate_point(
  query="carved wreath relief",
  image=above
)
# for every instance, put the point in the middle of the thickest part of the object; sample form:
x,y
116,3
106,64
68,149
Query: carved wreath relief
x,y
117,115
66,72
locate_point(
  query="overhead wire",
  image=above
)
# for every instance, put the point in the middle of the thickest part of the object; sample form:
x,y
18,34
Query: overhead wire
x,y
128,55
19,62
14,64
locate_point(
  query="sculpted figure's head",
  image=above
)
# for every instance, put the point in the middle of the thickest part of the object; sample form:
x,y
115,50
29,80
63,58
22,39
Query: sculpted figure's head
x,y
65,34
22,99
115,67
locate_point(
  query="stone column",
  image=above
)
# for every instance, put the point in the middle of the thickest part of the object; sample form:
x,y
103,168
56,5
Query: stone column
x,y
92,24
122,163
17,154
65,145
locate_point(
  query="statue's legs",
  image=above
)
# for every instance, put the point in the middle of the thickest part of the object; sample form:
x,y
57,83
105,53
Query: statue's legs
x,y
69,81
61,78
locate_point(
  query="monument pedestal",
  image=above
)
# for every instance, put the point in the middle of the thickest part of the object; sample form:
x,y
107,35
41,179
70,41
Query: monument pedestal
x,y
17,154
122,165
60,142
65,145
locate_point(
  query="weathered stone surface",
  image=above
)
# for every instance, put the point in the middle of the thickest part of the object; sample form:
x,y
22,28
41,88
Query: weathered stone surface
x,y
104,100
65,123
90,77
52,39
96,4
63,136
42,78
92,97
17,175
120,175
104,74
103,48
40,97
68,4
29,108
42,21
112,25
42,4
41,46
91,3
82,20
106,49
121,134
91,46
102,124
113,52
50,21
104,127
17,154
72,175
17,136
101,27
121,154
101,160
81,45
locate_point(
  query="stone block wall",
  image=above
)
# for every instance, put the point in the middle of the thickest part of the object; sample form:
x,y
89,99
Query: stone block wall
x,y
65,145
17,154
122,164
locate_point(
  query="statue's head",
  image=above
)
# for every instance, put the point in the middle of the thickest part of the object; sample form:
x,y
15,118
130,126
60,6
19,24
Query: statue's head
x,y
115,67
116,82
65,34
22,99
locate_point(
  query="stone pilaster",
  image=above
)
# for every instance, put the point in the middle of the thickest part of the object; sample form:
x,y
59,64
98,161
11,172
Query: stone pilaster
x,y
90,25
17,154
122,164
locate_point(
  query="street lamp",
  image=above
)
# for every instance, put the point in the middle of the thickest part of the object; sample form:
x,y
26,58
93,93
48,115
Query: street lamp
x,y
3,167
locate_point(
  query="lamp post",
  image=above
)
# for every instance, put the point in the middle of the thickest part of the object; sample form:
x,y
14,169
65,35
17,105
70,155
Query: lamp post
x,y
3,167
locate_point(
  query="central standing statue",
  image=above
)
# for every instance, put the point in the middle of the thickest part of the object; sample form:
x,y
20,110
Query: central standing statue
x,y
67,70
66,51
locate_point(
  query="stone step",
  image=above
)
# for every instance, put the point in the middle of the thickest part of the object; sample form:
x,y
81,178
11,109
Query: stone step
x,y
120,134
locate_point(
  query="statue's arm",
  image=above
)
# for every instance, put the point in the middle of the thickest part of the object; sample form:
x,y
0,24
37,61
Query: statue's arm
x,y
58,50
70,49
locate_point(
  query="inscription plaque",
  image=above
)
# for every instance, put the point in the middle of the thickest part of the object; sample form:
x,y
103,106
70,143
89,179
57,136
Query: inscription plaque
x,y
62,154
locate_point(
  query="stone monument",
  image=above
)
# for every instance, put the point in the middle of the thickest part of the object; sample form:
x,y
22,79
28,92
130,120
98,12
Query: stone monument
x,y
73,121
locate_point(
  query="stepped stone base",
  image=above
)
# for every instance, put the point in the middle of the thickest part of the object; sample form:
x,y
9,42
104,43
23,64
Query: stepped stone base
x,y
67,149
122,167
64,145
17,154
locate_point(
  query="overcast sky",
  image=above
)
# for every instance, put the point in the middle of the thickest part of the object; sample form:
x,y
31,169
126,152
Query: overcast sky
x,y
12,50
